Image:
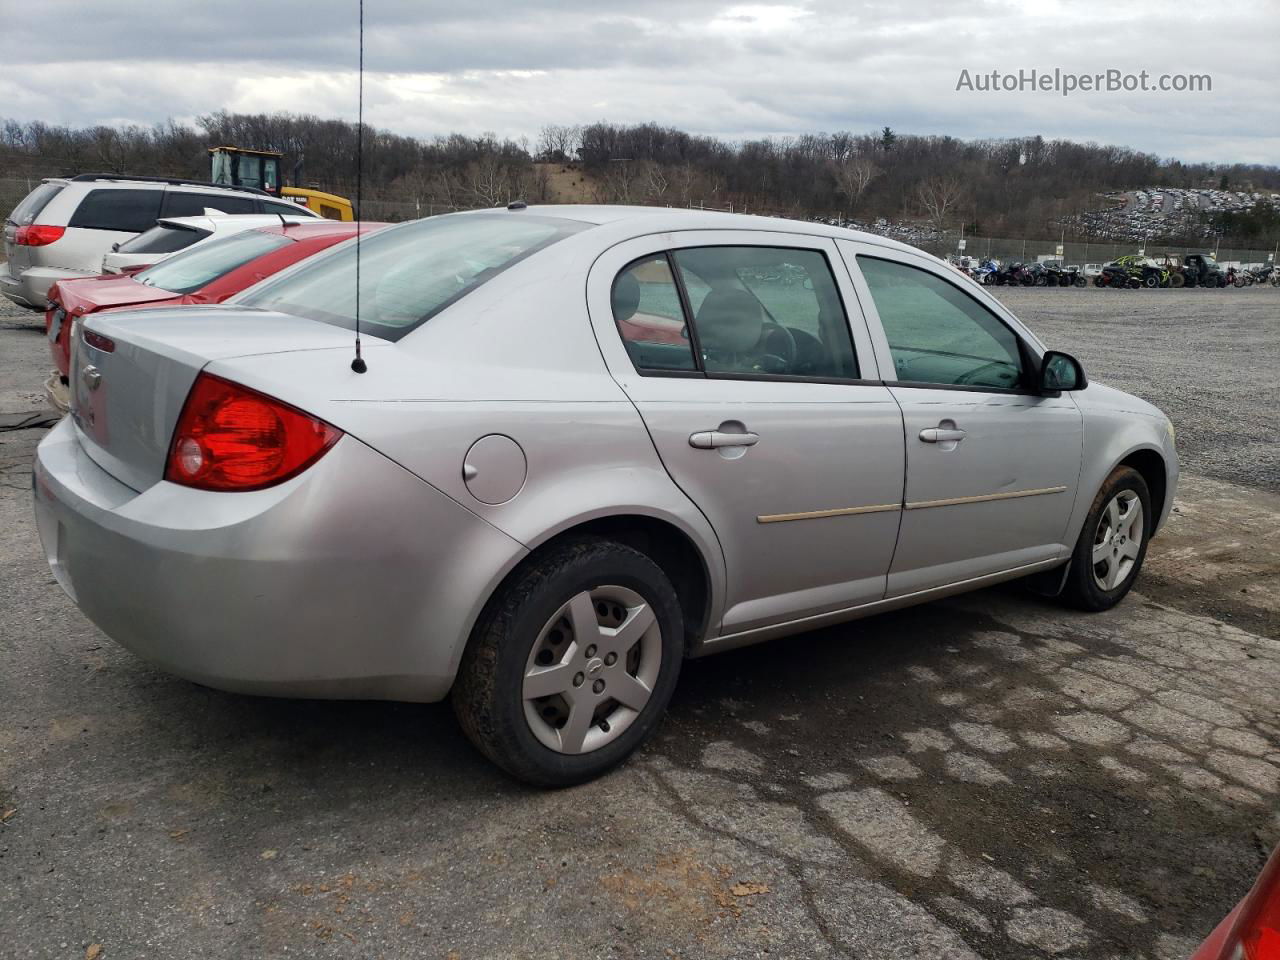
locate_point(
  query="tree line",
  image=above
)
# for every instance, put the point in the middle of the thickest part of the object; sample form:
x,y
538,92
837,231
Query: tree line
x,y
1004,187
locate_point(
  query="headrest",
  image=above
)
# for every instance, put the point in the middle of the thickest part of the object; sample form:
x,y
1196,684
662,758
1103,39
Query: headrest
x,y
626,296
730,320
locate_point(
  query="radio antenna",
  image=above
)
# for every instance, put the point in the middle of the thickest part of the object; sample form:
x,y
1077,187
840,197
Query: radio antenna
x,y
358,364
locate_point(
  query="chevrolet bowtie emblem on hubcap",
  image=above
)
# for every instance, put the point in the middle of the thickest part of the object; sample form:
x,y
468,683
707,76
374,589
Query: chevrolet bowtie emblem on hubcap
x,y
595,665
91,377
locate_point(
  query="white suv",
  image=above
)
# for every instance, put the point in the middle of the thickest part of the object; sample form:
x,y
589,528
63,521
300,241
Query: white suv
x,y
64,227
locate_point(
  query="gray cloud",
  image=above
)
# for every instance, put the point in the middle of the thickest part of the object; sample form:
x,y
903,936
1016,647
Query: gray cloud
x,y
732,69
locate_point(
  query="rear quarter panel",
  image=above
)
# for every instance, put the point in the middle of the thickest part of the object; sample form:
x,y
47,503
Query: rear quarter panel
x,y
517,357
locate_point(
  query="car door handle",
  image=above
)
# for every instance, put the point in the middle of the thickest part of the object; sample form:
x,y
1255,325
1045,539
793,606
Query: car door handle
x,y
713,439
941,434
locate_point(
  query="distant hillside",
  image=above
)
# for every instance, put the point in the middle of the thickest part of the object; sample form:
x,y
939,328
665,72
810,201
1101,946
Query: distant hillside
x,y
1018,187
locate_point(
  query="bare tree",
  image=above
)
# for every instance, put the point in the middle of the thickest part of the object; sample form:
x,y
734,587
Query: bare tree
x,y
488,180
852,174
938,195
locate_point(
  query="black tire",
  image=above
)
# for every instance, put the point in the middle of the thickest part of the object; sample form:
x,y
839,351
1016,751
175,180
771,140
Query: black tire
x,y
1151,281
1082,589
1099,282
1177,280
487,695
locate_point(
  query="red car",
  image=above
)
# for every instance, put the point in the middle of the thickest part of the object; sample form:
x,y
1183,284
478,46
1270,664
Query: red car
x,y
206,274
1252,930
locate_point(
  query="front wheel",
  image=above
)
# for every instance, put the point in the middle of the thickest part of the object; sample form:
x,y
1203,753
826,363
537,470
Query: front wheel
x,y
572,664
1113,543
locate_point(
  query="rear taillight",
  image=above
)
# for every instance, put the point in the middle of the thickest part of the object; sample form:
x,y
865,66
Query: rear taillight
x,y
37,235
229,437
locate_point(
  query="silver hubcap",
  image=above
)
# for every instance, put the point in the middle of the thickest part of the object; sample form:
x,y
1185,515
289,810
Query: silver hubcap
x,y
1118,540
592,669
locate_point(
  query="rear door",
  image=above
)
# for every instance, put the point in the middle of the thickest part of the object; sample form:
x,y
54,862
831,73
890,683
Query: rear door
x,y
992,465
763,402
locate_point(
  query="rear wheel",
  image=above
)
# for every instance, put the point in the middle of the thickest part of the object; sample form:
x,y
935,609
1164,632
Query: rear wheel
x,y
572,664
1151,281
1177,280
1113,543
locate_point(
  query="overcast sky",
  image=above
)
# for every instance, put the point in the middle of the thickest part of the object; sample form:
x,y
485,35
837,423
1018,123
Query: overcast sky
x,y
707,66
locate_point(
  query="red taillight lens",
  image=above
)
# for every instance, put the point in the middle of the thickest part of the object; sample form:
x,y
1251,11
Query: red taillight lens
x,y
37,235
232,438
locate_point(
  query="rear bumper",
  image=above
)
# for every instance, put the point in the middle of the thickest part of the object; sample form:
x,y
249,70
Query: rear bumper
x,y
354,580
31,287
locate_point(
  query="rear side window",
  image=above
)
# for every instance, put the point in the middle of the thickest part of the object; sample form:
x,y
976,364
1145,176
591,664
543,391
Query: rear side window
x,y
752,312
410,273
25,213
184,204
163,238
128,211
226,203
194,269
646,308
285,209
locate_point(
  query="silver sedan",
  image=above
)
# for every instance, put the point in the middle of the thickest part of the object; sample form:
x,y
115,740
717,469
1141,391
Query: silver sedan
x,y
589,442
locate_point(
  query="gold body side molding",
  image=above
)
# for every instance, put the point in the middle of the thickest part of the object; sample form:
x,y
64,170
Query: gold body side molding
x,y
913,505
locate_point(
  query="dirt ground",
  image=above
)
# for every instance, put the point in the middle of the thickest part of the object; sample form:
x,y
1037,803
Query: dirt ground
x,y
990,776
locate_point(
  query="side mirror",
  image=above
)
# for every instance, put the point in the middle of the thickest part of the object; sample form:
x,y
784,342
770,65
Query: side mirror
x,y
1061,371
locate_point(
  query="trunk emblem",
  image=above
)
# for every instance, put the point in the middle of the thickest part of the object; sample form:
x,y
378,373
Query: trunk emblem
x,y
91,377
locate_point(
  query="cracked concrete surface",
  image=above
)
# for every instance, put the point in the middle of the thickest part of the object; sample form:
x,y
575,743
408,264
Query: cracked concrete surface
x,y
991,776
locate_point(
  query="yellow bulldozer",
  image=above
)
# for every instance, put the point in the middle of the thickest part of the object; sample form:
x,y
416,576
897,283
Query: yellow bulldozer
x,y
260,169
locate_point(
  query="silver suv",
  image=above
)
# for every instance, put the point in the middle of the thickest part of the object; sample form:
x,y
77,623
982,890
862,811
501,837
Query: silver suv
x,y
64,227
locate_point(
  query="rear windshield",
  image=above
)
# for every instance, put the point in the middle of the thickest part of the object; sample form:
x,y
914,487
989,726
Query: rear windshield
x,y
164,238
25,213
408,273
190,271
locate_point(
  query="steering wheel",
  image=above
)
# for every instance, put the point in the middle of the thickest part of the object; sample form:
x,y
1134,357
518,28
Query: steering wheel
x,y
788,356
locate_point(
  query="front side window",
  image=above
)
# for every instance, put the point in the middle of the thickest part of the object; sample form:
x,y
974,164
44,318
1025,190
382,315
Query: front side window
x,y
163,238
760,312
191,270
937,333
126,211
408,274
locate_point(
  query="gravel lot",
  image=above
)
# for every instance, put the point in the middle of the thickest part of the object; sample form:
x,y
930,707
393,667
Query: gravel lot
x,y
985,777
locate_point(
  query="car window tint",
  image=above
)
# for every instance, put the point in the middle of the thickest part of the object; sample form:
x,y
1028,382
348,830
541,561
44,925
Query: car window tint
x,y
226,203
937,333
285,209
128,211
767,310
646,308
25,213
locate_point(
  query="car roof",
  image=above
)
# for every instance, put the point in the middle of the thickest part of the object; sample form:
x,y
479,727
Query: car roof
x,y
662,219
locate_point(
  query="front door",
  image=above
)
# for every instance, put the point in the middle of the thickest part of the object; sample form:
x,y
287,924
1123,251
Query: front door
x,y
992,465
764,404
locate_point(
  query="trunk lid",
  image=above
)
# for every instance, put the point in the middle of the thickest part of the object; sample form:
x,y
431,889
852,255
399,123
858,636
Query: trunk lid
x,y
131,372
104,293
